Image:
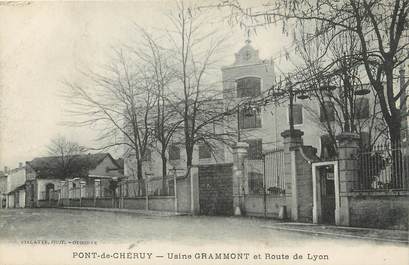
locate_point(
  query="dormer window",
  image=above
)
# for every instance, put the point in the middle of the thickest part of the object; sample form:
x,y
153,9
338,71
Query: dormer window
x,y
248,87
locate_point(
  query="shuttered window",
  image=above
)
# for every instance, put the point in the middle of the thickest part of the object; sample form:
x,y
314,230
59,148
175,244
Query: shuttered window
x,y
250,118
248,87
255,151
204,152
361,108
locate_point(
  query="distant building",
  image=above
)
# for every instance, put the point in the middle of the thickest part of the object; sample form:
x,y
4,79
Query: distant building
x,y
3,188
43,179
16,194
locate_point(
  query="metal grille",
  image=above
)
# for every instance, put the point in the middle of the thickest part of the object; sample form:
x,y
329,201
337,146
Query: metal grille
x,y
150,187
266,175
382,167
274,172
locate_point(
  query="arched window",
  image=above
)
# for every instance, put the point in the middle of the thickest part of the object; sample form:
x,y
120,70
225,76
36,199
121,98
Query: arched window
x,y
248,87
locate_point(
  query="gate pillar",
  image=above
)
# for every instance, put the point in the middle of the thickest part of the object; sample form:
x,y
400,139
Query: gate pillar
x,y
239,181
348,173
292,139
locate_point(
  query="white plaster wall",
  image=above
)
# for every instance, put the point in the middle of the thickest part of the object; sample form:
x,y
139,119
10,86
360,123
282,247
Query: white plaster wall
x,y
16,177
41,185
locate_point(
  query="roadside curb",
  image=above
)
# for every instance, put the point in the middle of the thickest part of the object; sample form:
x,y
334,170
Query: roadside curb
x,y
329,234
115,210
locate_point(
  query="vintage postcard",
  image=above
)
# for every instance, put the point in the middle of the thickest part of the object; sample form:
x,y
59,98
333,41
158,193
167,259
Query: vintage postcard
x,y
204,132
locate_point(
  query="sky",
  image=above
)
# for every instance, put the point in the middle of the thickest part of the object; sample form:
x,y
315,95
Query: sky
x,y
44,43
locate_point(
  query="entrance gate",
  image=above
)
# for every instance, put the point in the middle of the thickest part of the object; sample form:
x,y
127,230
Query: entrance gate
x,y
326,203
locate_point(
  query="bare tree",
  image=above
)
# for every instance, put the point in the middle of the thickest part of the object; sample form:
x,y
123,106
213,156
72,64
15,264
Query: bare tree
x,y
119,98
66,155
197,98
159,64
380,27
340,106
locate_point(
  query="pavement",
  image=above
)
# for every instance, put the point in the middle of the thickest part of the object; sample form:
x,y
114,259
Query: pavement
x,y
116,210
331,231
383,235
36,234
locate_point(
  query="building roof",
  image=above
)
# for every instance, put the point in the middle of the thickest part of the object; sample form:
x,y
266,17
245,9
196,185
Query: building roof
x,y
21,187
247,55
50,166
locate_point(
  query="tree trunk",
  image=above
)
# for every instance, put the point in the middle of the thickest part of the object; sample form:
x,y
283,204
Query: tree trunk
x,y
141,184
394,132
189,157
164,172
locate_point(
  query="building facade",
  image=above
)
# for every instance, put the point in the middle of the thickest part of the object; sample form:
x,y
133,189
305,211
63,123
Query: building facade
x,y
91,176
16,194
249,79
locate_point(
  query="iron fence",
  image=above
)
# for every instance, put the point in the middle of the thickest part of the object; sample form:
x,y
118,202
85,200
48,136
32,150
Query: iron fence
x,y
382,167
50,195
274,171
266,176
147,187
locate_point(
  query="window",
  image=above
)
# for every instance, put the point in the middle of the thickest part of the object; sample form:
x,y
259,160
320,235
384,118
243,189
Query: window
x,y
255,151
147,156
328,150
364,139
249,118
205,152
361,108
327,111
174,152
297,114
248,87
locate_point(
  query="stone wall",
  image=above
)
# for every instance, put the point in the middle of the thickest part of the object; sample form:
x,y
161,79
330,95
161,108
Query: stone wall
x,y
87,202
135,203
104,203
385,210
254,205
162,203
183,195
216,189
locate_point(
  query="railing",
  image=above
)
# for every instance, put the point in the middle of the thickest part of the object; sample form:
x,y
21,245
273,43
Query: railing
x,y
50,195
274,171
266,176
382,167
150,187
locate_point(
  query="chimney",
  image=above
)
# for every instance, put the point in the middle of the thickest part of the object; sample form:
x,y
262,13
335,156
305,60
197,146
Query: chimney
x,y
6,170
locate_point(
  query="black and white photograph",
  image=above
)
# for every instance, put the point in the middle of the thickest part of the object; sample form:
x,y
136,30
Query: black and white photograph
x,y
204,132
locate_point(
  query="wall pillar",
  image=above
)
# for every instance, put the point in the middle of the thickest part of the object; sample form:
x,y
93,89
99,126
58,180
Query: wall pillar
x,y
82,191
291,140
97,188
62,189
239,181
194,190
70,189
348,145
